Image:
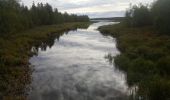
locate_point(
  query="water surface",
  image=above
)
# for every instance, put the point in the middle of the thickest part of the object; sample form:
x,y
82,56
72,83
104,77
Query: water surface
x,y
76,68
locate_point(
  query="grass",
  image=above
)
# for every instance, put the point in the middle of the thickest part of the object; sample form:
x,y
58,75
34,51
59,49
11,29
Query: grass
x,y
145,57
15,51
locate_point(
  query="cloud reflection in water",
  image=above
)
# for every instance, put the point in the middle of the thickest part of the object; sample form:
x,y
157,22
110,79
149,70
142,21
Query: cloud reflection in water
x,y
75,68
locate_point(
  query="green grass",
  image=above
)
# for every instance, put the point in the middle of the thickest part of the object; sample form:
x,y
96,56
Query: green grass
x,y
145,57
15,51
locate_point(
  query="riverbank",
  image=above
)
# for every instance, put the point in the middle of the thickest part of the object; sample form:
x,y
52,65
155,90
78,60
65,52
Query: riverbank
x,y
145,57
76,68
15,51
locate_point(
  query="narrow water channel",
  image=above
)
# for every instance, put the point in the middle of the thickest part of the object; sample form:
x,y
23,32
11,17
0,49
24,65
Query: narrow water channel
x,y
76,68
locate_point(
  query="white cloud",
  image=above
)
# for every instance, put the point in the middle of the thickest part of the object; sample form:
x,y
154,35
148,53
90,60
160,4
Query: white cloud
x,y
100,8
89,7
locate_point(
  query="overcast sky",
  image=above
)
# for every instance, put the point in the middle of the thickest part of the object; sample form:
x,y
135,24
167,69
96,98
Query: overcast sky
x,y
93,8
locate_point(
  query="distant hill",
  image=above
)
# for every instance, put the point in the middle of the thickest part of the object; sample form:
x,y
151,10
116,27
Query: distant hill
x,y
110,18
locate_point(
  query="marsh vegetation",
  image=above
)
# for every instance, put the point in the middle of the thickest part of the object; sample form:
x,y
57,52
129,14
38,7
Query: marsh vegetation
x,y
143,39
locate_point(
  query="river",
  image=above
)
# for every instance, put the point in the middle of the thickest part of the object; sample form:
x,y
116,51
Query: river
x,y
76,68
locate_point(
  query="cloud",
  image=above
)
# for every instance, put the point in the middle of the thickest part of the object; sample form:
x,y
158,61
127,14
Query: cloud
x,y
105,14
98,8
94,8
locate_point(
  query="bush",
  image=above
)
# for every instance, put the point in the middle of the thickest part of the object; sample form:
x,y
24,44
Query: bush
x,y
138,16
160,12
122,62
164,66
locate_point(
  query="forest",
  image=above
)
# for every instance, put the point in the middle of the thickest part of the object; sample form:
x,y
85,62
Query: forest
x,y
144,41
15,17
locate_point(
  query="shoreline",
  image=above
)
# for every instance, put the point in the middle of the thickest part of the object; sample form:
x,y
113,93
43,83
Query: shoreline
x,y
15,53
144,57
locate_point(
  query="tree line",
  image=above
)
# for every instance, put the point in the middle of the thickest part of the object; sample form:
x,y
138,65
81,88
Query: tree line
x,y
15,17
156,15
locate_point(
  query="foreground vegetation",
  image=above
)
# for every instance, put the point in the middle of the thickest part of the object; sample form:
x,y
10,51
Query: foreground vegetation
x,y
144,41
15,51
145,57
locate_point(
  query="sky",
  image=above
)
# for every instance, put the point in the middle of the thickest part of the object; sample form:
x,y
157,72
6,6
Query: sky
x,y
92,8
